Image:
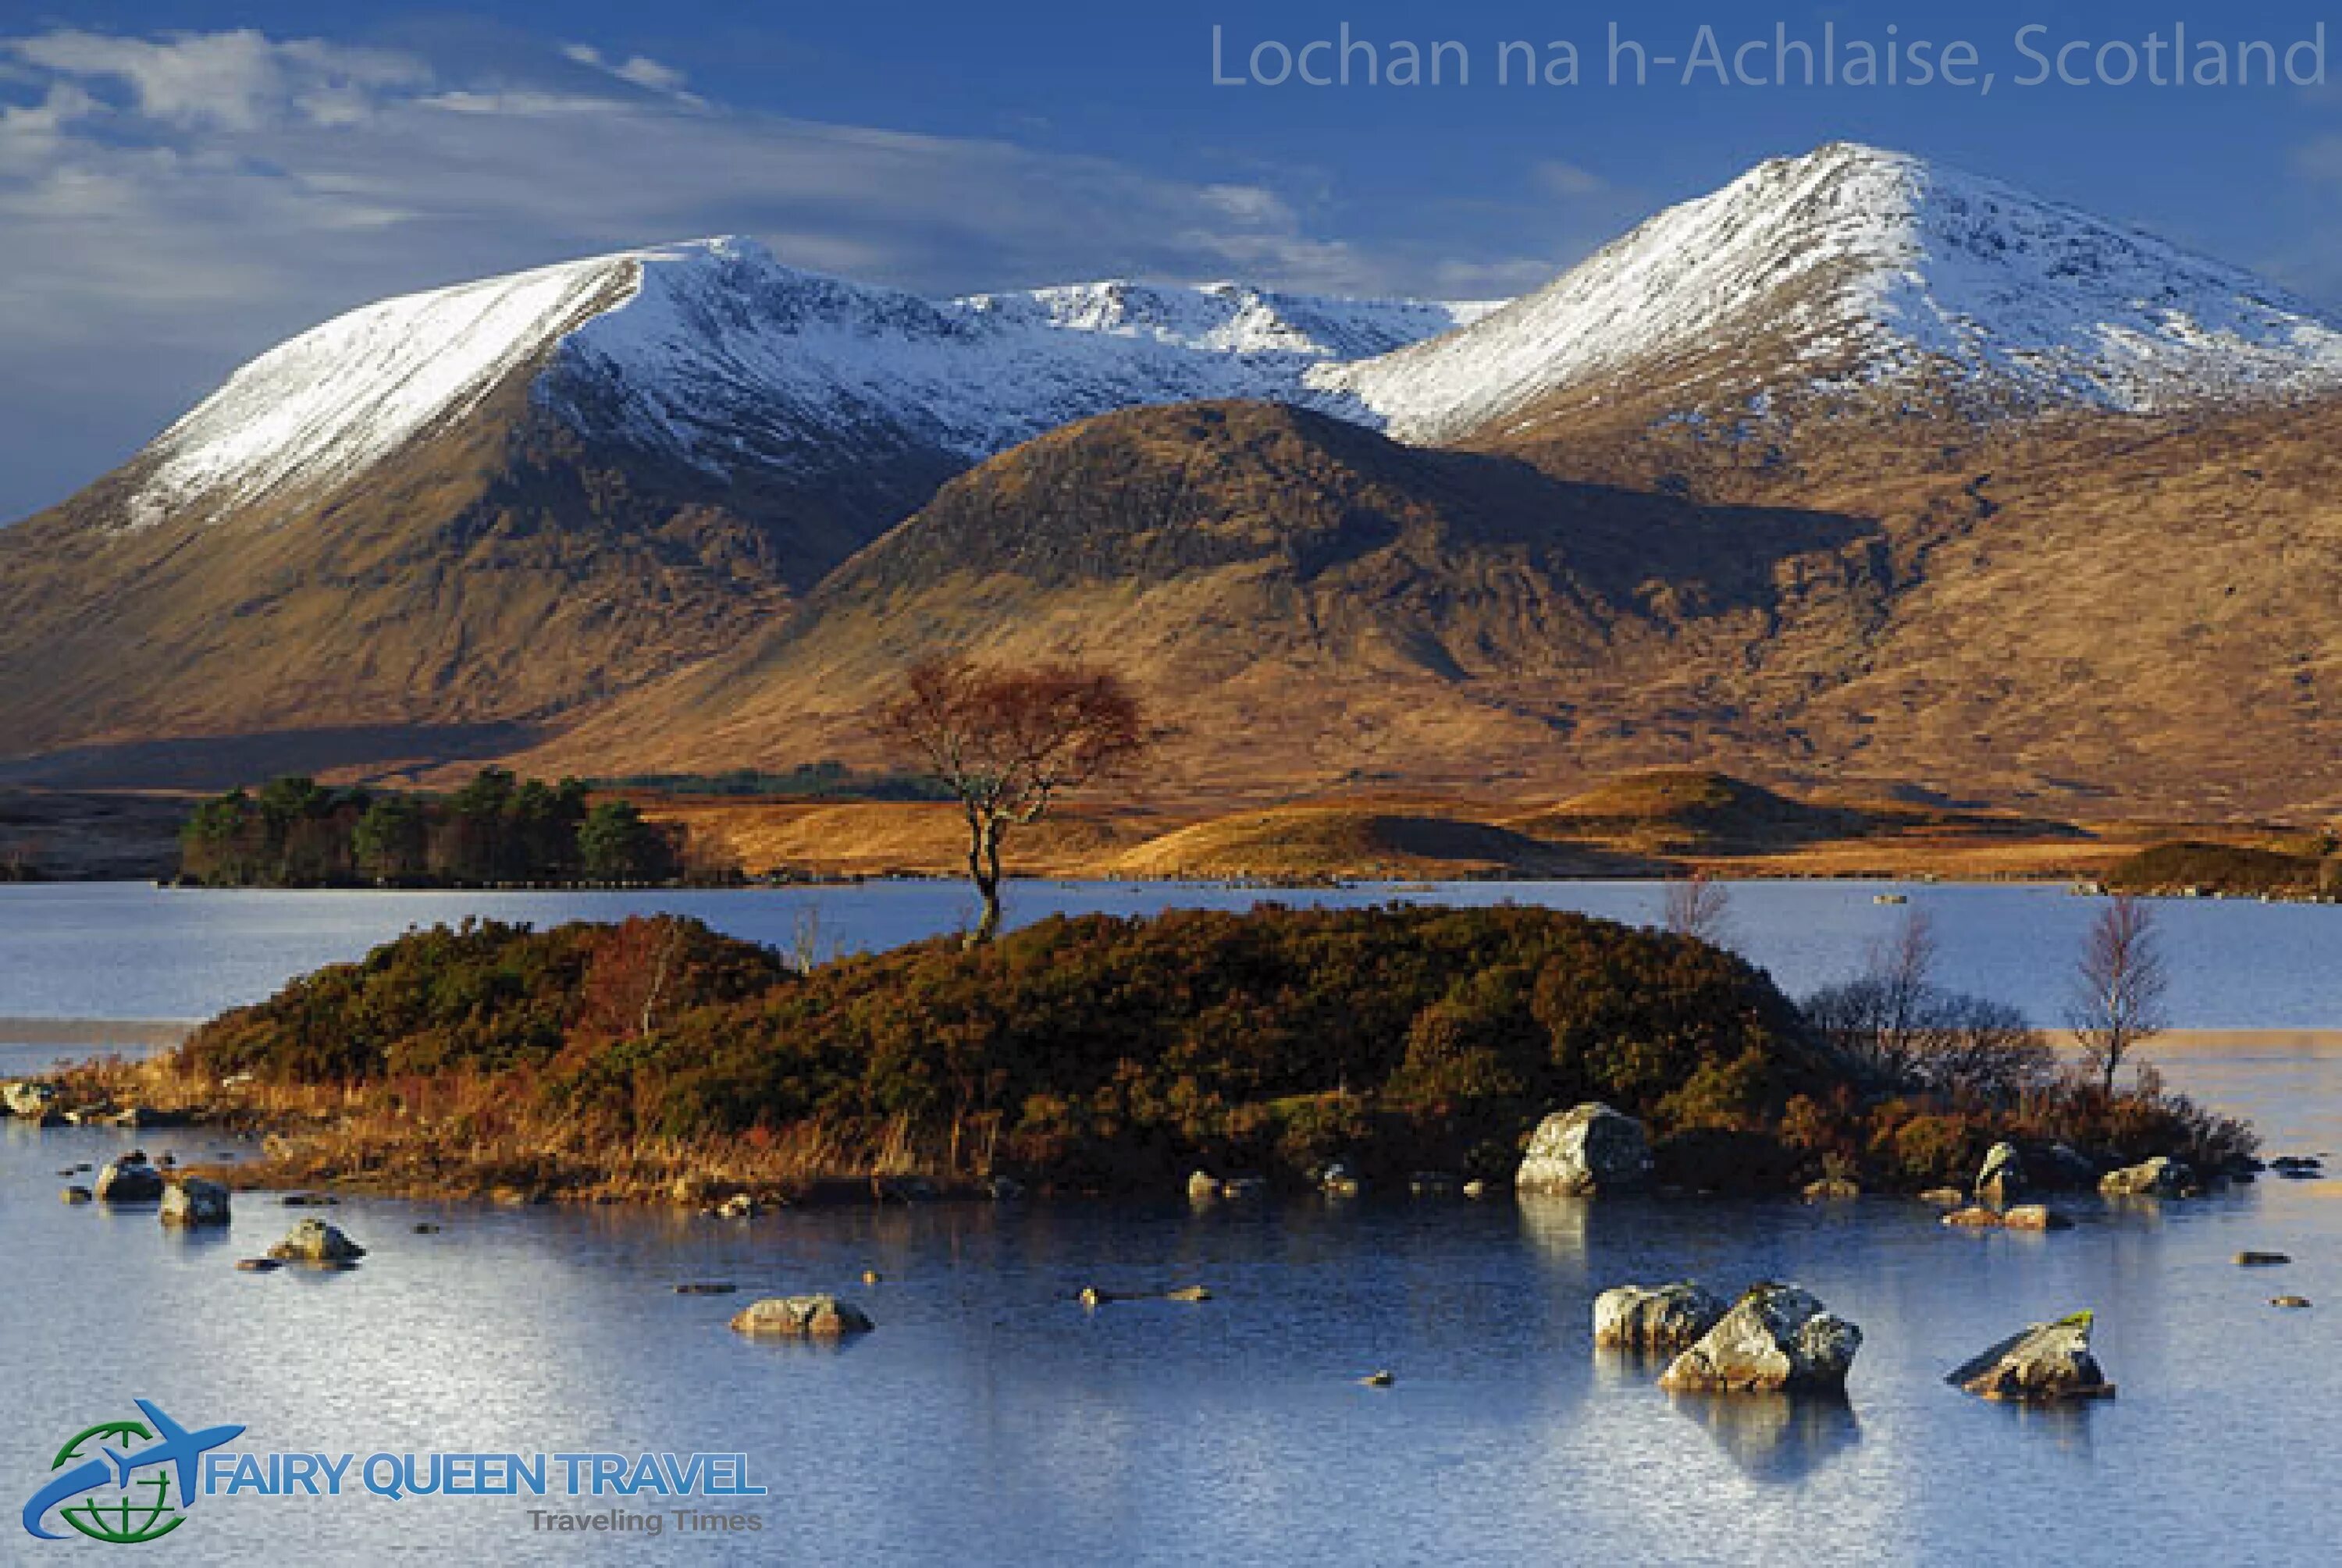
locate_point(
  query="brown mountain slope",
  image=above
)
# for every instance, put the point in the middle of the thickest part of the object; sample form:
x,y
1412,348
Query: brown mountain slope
x,y
1303,600
496,571
2083,612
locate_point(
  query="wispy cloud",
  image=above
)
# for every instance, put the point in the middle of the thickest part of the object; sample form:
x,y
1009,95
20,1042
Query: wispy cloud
x,y
175,204
641,70
1567,181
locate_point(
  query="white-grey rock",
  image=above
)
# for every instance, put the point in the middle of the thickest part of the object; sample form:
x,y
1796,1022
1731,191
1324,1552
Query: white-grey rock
x,y
1776,1339
32,1100
2157,1178
2044,1364
1672,1317
2001,1181
194,1202
1586,1150
315,1241
129,1181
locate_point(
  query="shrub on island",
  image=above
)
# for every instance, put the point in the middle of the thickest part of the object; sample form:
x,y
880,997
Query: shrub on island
x,y
1097,1053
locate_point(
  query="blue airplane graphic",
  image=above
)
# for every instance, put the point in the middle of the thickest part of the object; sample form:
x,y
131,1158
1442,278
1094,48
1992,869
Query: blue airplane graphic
x,y
175,1445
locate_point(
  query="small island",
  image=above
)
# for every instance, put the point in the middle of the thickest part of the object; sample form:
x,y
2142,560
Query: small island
x,y
656,1060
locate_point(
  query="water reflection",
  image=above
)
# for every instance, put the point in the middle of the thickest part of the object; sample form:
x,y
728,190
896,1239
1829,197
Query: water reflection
x,y
1778,1439
1555,1227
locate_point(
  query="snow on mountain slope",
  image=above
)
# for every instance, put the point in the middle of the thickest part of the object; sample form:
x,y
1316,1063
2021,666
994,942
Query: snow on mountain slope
x,y
332,402
715,354
1853,265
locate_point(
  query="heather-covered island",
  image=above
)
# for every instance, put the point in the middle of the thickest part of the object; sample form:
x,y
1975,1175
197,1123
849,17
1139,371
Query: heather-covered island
x,y
658,1060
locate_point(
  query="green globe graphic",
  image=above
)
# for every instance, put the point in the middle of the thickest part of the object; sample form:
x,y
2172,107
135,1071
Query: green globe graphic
x,y
142,1512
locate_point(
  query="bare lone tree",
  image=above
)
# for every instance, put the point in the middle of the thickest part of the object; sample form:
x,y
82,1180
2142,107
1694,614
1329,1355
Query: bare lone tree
x,y
1007,742
1700,907
2118,987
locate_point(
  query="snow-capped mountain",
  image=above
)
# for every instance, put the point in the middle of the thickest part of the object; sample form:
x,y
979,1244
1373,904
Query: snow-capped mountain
x,y
1855,266
515,502
716,355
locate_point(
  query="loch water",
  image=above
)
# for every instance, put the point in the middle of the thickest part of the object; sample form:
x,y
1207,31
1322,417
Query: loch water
x,y
991,1419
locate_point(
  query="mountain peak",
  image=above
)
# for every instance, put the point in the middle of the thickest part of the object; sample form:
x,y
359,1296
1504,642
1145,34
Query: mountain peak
x,y
715,353
1855,266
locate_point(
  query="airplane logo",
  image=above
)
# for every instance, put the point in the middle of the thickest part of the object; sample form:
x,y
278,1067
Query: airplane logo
x,y
160,1441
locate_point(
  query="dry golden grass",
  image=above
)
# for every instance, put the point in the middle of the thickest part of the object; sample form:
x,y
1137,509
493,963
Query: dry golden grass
x,y
480,1137
1637,825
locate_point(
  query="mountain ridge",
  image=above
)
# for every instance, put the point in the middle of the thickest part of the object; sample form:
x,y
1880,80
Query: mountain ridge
x,y
1852,268
1857,464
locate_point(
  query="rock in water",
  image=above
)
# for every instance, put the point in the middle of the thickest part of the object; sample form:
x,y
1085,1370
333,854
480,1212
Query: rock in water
x,y
801,1317
33,1101
1974,1218
2001,1181
2036,1217
1586,1150
1666,1317
194,1202
315,1241
76,1194
2042,1364
2157,1178
1776,1339
129,1181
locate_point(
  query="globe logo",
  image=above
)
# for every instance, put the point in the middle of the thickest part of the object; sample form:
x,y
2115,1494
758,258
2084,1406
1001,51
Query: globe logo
x,y
143,1512
125,1483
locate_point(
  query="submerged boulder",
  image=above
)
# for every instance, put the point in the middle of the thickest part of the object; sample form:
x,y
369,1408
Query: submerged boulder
x,y
129,1180
801,1317
1776,1339
2157,1178
2036,1217
1652,1318
194,1202
1586,1150
315,1241
2041,1364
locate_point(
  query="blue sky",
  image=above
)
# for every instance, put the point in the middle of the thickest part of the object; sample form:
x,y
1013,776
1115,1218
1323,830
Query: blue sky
x,y
183,185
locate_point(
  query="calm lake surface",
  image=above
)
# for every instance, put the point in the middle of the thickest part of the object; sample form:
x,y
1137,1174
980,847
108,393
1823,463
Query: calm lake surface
x,y
138,951
992,1420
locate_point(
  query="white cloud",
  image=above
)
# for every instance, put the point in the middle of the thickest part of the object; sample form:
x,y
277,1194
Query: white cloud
x,y
237,81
